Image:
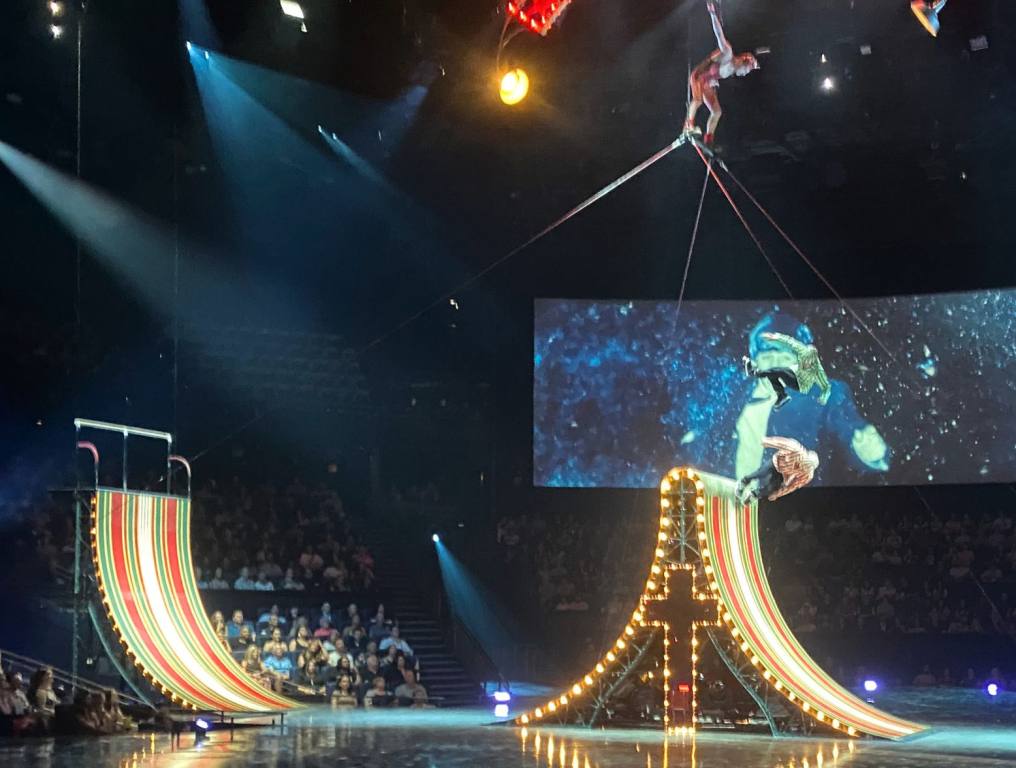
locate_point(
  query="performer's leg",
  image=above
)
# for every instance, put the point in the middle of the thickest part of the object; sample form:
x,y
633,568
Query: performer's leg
x,y
715,113
760,474
781,379
770,485
694,104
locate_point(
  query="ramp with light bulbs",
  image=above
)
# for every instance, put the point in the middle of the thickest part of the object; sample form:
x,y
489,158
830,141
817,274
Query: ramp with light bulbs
x,y
704,530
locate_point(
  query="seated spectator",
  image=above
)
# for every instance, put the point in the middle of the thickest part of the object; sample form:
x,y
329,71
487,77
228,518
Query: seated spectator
x,y
293,619
266,617
324,630
356,642
279,665
311,560
336,649
235,626
291,583
395,640
243,581
217,581
263,584
40,692
378,695
273,641
244,639
353,625
351,611
925,679
299,643
199,578
379,628
255,667
344,697
409,692
314,654
326,613
269,627
346,667
113,718
18,700
369,669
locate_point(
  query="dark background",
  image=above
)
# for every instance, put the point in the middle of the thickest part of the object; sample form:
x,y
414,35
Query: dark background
x,y
900,180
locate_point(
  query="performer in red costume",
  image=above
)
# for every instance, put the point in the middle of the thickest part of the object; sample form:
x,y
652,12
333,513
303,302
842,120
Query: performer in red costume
x,y
792,466
705,78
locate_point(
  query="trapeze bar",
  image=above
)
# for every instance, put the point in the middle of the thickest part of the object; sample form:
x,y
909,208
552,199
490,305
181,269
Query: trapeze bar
x,y
123,429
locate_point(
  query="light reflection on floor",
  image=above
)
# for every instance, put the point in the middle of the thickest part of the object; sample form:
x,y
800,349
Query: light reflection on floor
x,y
967,734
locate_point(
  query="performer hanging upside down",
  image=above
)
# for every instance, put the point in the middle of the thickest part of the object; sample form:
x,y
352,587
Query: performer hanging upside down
x,y
705,78
792,467
806,373
927,12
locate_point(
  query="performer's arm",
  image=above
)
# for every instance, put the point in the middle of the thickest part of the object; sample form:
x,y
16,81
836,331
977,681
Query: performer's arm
x,y
721,40
781,443
823,384
787,341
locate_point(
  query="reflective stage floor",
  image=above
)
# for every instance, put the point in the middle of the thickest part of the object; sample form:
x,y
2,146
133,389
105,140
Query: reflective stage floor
x,y
969,730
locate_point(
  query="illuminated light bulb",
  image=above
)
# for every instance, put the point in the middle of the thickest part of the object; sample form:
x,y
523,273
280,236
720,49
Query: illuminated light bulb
x,y
700,486
538,712
655,568
588,680
660,553
524,719
675,473
699,501
523,16
564,699
551,706
705,552
805,706
819,716
694,657
766,674
576,689
754,659
650,585
850,732
702,535
714,586
599,669
637,616
778,685
514,85
666,673
611,656
512,8
694,642
661,536
629,631
665,522
665,485
836,724
619,644
700,518
726,616
791,696
665,503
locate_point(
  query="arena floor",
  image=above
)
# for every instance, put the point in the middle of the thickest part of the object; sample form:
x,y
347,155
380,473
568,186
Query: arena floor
x,y
969,730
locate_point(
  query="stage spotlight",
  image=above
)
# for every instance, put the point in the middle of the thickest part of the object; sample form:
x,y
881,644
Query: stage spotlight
x,y
189,46
870,686
201,723
501,710
502,697
828,84
292,9
207,57
992,689
56,9
56,31
514,86
435,538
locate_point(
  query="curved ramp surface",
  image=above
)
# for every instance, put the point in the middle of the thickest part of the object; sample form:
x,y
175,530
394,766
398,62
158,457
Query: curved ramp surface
x,y
141,547
732,559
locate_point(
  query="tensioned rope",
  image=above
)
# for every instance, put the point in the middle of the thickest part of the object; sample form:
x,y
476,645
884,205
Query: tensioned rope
x,y
744,222
594,198
694,238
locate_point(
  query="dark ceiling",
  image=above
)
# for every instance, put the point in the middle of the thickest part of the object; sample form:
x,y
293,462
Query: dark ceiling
x,y
899,179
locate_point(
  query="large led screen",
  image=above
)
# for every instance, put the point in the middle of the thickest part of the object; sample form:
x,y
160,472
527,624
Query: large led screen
x,y
625,390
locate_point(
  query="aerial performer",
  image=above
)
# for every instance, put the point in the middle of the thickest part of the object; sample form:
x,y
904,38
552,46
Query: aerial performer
x,y
791,467
804,373
705,78
927,12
